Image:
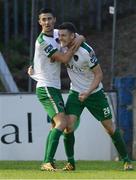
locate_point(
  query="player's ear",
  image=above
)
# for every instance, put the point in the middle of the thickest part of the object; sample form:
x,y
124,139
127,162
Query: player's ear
x,y
39,21
73,35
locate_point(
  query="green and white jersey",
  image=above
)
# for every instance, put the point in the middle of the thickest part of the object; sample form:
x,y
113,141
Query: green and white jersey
x,y
46,72
79,69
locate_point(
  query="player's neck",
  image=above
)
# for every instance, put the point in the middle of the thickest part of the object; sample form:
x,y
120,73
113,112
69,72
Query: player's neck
x,y
48,33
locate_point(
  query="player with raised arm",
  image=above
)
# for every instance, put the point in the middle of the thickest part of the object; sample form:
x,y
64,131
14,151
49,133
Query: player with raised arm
x,y
46,71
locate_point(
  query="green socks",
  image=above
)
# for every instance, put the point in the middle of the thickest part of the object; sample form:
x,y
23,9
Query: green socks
x,y
46,147
69,141
120,145
52,144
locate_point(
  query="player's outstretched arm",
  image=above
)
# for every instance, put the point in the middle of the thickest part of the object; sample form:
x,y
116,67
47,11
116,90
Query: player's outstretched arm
x,y
64,57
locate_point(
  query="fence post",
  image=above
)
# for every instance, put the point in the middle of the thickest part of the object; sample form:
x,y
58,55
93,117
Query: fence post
x,y
15,18
134,127
33,28
6,22
25,19
98,15
81,11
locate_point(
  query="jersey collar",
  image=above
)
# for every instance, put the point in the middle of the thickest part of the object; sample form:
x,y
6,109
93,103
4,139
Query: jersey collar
x,y
47,35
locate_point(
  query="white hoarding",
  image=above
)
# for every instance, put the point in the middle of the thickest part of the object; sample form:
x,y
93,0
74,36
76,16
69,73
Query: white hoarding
x,y
24,128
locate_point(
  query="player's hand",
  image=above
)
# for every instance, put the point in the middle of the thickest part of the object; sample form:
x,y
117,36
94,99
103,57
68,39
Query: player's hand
x,y
83,96
77,41
30,71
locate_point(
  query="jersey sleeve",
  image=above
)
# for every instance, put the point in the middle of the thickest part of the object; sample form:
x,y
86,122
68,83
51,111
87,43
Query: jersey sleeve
x,y
93,61
45,46
48,49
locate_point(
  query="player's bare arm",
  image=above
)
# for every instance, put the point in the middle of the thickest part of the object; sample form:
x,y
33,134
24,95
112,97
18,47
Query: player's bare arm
x,y
98,75
78,40
64,57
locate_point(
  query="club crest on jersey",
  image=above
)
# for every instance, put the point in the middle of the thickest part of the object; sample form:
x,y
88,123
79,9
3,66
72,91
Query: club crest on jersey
x,y
61,104
48,48
76,57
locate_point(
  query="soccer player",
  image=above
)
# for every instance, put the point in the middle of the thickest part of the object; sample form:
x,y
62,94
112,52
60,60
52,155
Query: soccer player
x,y
46,71
87,91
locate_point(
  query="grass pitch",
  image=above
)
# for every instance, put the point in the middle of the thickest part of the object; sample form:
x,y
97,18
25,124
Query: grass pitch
x,y
84,170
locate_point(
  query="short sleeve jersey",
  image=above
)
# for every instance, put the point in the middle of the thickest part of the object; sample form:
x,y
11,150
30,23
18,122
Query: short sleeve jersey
x,y
46,72
79,69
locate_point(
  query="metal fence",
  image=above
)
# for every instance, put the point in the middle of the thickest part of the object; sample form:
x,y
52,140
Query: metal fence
x,y
15,15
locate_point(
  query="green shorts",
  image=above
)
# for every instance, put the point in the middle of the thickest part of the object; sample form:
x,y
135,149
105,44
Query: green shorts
x,y
96,103
51,99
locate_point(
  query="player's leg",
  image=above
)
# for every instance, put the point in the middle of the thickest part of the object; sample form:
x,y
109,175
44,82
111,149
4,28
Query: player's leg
x,y
54,136
119,143
73,111
98,105
53,103
69,141
48,137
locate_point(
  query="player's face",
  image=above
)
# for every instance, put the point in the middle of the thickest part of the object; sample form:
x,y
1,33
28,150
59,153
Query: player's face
x,y
65,37
47,21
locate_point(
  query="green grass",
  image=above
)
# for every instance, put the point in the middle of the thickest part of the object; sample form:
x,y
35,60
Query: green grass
x,y
85,170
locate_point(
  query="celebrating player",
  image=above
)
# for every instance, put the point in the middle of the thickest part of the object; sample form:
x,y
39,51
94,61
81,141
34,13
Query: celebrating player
x,y
87,91
47,74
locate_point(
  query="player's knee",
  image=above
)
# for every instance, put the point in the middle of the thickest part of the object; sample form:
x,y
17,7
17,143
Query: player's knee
x,y
60,121
61,124
109,126
69,129
110,130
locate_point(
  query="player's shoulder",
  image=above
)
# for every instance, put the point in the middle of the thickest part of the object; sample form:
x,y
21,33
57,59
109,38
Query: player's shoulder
x,y
86,47
40,38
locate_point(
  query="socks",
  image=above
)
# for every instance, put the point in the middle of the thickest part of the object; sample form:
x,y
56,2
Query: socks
x,y
53,144
120,145
69,141
46,147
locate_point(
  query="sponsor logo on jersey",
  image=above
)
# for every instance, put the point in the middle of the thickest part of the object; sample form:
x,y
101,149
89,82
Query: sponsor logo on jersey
x,y
48,48
93,58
